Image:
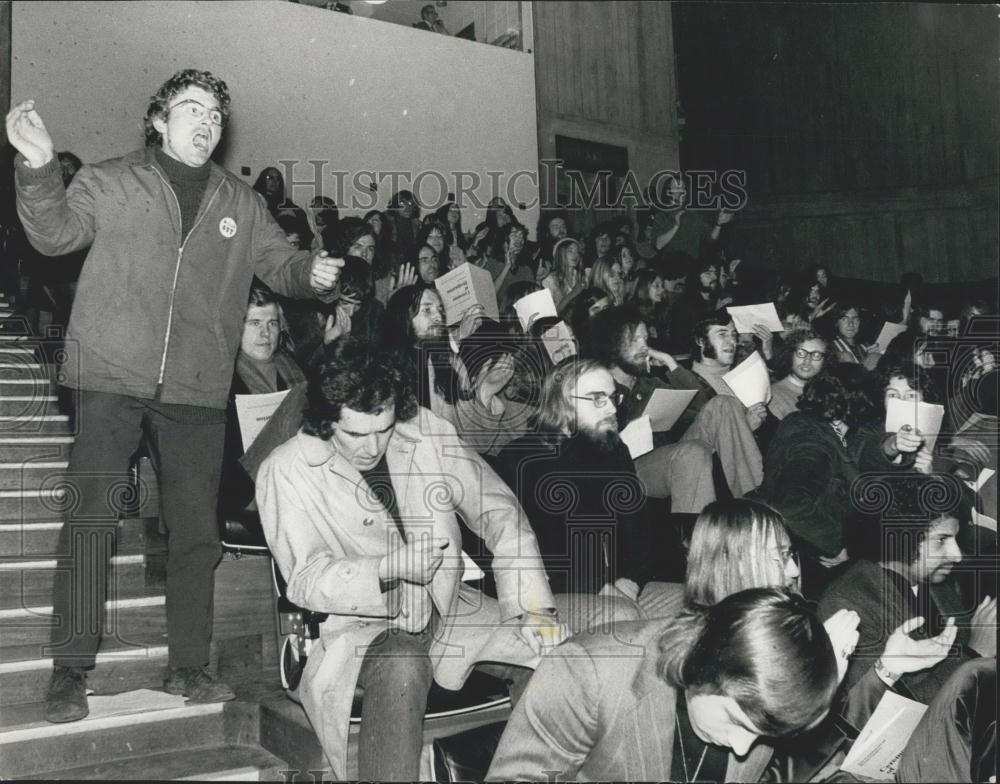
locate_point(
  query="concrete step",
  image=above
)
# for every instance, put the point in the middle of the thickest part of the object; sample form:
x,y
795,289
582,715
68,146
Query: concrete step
x,y
29,745
222,763
14,448
140,621
31,474
41,538
13,367
54,424
37,401
33,586
117,669
44,504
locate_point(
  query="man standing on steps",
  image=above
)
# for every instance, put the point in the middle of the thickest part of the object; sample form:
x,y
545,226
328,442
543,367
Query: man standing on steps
x,y
151,346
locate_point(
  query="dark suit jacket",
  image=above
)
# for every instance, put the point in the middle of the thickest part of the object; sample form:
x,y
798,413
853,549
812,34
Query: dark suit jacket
x,y
595,710
884,600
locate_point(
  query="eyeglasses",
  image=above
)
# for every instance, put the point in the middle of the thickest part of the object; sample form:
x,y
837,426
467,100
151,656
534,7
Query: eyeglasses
x,y
815,356
787,554
600,399
198,111
427,258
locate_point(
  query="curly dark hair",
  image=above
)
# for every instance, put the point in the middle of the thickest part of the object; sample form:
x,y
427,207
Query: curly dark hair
x,y
915,502
354,374
794,341
176,84
916,377
842,392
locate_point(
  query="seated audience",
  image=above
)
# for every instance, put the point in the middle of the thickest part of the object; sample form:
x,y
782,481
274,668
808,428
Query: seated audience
x,y
263,366
680,467
323,216
601,540
843,325
414,327
450,214
910,587
607,276
270,184
714,355
438,236
698,302
682,229
509,259
428,265
599,244
692,698
566,279
403,216
353,522
485,417
803,355
809,470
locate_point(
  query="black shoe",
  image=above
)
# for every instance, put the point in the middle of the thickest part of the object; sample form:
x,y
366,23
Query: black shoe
x,y
197,685
67,697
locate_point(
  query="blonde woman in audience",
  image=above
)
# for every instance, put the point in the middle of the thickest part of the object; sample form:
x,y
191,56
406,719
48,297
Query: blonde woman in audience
x,y
566,279
610,278
736,544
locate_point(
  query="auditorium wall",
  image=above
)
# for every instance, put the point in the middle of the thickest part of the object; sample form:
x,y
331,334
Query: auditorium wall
x,y
868,131
309,85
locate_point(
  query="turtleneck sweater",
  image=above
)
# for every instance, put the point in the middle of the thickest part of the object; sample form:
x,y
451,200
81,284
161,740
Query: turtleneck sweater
x,y
713,376
189,184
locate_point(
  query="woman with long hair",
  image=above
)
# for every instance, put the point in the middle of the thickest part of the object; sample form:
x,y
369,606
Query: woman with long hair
x,y
566,279
450,214
607,275
414,325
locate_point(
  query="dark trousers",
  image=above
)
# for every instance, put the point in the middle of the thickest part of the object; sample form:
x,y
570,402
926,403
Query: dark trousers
x,y
187,445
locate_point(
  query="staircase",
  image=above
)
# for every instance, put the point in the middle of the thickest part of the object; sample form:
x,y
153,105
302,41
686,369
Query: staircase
x,y
177,742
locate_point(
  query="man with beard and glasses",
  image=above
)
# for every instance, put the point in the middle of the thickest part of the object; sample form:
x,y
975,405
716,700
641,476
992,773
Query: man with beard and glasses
x,y
803,355
681,465
175,243
910,580
575,479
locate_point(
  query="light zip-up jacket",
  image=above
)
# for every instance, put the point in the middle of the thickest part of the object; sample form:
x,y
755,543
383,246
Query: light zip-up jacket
x,y
157,315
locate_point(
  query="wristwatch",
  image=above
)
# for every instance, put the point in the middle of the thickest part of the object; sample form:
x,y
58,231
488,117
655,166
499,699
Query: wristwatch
x,y
887,676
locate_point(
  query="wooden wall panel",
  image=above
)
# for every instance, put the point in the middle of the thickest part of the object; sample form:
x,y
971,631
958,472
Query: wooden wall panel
x,y
604,72
878,121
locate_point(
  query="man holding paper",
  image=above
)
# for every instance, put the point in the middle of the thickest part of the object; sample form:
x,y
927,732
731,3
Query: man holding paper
x,y
909,588
684,441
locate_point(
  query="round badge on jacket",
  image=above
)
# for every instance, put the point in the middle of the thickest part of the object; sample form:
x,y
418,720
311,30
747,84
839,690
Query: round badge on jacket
x,y
227,227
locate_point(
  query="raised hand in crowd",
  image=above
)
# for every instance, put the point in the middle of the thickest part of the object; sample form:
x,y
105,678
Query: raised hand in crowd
x,y
28,134
337,325
821,309
405,276
756,414
766,340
